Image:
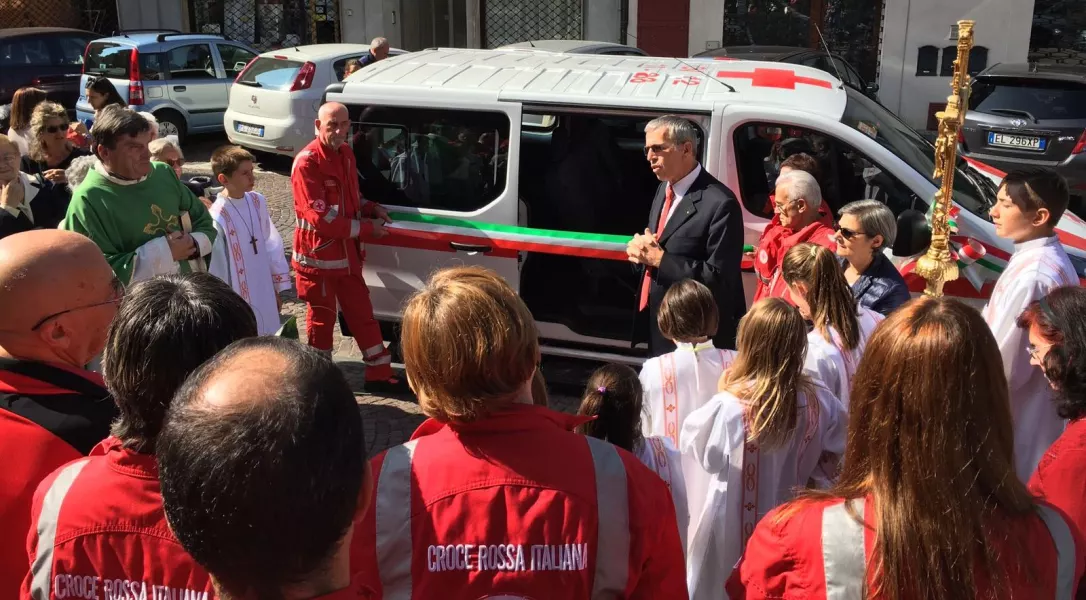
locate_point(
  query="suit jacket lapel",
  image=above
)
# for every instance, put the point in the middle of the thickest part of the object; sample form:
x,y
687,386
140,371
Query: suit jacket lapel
x,y
683,212
657,206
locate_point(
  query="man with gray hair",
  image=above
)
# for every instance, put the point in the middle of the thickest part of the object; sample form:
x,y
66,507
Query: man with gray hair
x,y
695,232
378,51
142,217
799,218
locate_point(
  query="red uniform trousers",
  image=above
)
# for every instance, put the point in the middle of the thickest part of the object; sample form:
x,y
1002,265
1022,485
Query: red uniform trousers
x,y
322,294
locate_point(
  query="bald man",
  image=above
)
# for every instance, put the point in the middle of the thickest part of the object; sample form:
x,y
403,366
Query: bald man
x,y
267,418
59,296
332,221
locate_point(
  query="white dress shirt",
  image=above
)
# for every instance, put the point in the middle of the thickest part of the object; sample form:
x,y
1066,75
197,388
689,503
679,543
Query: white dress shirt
x,y
680,188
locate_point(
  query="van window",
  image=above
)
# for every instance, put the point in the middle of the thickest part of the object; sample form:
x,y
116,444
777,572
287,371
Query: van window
x,y
109,59
441,159
846,174
271,73
191,62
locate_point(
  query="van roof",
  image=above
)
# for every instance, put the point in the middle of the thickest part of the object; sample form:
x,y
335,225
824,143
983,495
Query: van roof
x,y
595,80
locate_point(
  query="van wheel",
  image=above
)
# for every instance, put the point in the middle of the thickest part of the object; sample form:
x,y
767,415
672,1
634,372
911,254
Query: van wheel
x,y
171,123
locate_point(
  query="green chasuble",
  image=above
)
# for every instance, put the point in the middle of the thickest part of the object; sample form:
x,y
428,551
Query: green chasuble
x,y
122,218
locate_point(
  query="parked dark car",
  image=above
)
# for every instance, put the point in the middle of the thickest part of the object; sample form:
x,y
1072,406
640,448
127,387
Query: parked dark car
x,y
50,58
830,63
1029,115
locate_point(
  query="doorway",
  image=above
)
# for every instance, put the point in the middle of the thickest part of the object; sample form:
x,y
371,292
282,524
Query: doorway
x,y
434,24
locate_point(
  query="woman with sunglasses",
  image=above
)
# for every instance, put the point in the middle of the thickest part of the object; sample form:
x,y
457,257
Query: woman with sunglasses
x,y
50,150
864,230
1057,345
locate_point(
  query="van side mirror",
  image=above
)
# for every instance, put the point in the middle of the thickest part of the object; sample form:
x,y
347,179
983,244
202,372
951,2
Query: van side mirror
x,y
913,233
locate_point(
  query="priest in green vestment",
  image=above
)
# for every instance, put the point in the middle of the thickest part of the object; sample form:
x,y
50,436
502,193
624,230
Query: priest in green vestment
x,y
138,212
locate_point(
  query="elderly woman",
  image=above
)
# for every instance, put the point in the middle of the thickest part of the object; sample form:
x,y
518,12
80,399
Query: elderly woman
x,y
166,150
50,150
26,202
864,230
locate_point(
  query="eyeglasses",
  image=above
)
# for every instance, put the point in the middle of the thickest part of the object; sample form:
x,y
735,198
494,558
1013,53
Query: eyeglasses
x,y
118,295
783,206
847,233
1033,350
176,163
56,128
658,148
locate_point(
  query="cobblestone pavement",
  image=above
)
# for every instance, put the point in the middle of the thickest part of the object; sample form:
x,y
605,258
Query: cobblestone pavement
x,y
388,421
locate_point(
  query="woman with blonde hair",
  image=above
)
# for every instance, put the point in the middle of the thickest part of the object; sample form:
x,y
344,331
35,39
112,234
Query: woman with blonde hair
x,y
761,436
928,506
505,499
841,326
50,150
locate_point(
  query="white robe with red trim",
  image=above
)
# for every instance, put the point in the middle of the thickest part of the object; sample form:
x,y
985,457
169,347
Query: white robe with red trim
x,y
1036,268
663,457
834,365
256,275
747,482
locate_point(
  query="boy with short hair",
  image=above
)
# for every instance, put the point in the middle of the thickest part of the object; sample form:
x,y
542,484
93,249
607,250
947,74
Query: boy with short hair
x,y
248,252
1027,209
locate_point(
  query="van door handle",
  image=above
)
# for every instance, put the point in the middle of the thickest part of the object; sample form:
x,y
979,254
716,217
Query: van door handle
x,y
179,88
469,247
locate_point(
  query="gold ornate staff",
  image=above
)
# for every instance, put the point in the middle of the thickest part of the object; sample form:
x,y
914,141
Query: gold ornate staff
x,y
937,266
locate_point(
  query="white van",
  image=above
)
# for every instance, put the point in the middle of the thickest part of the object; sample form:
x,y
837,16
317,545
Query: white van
x,y
532,164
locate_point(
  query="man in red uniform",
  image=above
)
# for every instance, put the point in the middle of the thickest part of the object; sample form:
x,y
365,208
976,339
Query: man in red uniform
x,y
504,500
98,527
799,218
264,472
58,295
332,219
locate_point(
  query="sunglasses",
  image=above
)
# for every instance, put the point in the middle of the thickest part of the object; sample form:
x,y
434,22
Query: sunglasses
x,y
56,128
118,295
848,234
658,148
176,163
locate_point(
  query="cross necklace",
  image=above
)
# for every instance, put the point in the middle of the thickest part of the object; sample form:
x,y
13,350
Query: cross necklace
x,y
249,227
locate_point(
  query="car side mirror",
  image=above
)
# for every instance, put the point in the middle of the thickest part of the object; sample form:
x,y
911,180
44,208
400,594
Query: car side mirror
x,y
872,88
913,233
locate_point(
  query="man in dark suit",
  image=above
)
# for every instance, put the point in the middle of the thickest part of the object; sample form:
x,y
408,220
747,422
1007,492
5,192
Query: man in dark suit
x,y
695,232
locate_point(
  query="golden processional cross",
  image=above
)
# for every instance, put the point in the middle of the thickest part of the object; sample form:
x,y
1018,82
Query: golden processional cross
x,y
938,266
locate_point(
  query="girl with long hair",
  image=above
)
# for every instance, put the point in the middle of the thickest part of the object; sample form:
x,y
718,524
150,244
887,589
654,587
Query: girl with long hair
x,y
612,397
764,434
928,506
23,104
841,326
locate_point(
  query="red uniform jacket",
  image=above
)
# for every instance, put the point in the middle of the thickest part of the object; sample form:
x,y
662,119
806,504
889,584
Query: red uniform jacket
x,y
776,241
1059,478
329,211
49,415
98,524
517,504
785,559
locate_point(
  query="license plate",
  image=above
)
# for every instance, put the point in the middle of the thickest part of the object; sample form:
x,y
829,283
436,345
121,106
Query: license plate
x,y
1007,140
245,128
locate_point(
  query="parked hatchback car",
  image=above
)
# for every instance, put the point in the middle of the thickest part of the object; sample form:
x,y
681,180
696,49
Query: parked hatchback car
x,y
50,58
1029,114
275,101
830,63
183,79
577,47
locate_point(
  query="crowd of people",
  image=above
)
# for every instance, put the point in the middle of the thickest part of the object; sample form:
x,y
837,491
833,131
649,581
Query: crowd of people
x,y
836,440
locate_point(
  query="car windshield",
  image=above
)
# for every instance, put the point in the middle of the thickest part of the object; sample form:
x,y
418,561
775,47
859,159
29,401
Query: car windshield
x,y
111,60
972,190
271,73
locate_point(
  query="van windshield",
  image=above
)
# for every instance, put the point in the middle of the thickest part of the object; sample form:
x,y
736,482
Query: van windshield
x,y
972,190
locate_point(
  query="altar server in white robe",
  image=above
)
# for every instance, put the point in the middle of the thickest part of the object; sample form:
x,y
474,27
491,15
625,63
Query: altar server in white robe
x,y
841,327
757,440
248,250
1027,209
682,381
613,396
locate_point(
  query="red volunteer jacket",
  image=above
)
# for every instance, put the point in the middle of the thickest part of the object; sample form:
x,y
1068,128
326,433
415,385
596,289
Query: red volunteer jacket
x,y
517,505
99,531
1059,481
49,415
776,241
789,559
329,211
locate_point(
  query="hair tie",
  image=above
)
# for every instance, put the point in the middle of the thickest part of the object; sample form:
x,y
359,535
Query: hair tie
x,y
602,389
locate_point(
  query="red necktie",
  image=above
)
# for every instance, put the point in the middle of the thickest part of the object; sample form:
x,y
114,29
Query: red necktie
x,y
646,283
